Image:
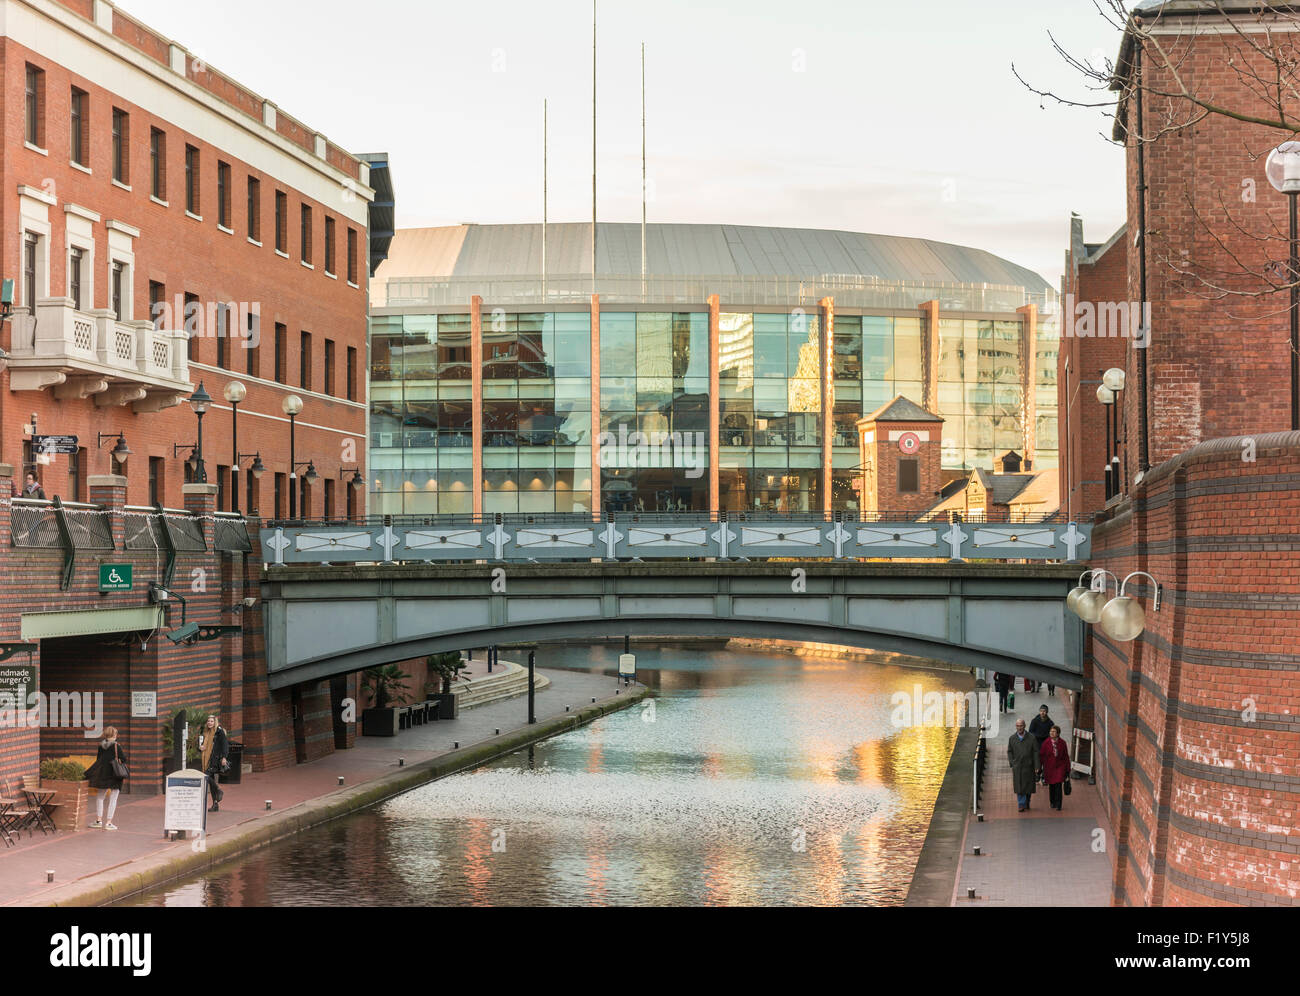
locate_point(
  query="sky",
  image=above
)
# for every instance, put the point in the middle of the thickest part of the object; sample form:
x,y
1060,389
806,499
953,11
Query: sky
x,y
898,118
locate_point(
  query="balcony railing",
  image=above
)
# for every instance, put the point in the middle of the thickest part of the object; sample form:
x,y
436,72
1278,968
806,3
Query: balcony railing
x,y
91,354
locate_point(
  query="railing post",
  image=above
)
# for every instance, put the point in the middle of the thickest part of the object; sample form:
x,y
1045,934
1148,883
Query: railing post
x,y
65,541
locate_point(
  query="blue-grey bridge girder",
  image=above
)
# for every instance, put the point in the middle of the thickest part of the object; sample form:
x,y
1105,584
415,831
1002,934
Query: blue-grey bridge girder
x,y
327,620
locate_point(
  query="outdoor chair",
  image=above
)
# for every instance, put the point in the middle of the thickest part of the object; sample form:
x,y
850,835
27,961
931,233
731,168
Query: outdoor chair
x,y
20,814
41,801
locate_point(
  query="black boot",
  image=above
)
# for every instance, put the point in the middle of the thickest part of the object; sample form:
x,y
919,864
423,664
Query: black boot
x,y
214,808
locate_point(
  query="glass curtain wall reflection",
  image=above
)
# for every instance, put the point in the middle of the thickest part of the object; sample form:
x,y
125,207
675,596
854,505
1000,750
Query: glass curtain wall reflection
x,y
654,411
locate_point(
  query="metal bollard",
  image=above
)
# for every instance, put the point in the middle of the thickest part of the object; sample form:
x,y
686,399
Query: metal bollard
x,y
401,762
268,803
49,874
340,779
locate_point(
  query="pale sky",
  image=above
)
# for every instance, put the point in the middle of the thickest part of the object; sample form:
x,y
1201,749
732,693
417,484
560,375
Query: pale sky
x,y
898,118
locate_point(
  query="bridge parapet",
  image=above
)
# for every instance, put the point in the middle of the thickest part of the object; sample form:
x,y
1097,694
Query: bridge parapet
x,y
525,538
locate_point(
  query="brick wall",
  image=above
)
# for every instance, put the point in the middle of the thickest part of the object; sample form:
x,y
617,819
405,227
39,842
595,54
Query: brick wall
x,y
1196,720
884,455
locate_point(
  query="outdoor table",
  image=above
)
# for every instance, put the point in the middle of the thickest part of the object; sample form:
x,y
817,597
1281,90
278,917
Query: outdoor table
x,y
40,800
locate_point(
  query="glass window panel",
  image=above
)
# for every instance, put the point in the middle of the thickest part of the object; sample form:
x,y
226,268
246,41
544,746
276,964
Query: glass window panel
x,y
907,349
573,354
654,345
654,394
617,394
847,348
735,346
534,363
453,354
769,355
803,396
691,345
572,394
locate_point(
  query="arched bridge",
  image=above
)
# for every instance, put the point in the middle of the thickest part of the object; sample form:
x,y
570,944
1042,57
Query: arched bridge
x,y
323,620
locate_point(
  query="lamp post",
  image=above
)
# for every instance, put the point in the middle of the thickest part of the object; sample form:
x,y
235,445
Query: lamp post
x,y
291,406
235,392
199,401
1283,171
1114,380
1107,397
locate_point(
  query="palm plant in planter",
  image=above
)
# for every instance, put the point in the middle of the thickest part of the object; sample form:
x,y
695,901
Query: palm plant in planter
x,y
445,668
387,685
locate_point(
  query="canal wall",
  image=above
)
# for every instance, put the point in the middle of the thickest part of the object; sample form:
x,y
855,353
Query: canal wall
x,y
176,862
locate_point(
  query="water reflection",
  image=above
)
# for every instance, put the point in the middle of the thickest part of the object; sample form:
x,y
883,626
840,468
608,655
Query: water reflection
x,y
756,779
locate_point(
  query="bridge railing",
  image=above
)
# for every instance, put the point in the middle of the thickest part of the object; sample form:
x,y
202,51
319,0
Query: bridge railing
x,y
523,538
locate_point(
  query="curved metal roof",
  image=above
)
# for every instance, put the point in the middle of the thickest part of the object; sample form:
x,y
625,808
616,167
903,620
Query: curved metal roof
x,y
459,251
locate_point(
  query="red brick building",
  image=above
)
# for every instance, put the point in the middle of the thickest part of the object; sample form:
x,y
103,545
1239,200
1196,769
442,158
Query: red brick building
x,y
900,446
1094,284
1198,736
165,226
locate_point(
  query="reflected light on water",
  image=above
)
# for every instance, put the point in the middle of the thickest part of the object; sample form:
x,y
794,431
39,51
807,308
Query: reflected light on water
x,y
764,779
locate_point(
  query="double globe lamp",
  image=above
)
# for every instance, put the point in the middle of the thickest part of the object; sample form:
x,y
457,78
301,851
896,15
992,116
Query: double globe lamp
x,y
1121,618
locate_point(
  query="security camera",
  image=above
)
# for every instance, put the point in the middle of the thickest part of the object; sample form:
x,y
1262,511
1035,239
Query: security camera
x,y
185,634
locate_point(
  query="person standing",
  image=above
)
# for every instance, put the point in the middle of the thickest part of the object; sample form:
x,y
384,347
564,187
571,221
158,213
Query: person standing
x,y
1002,682
104,778
33,489
1023,753
214,749
1054,758
1041,725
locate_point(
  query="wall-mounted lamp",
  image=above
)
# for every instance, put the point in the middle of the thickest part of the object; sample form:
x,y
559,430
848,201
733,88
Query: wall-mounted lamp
x,y
258,468
309,475
119,452
357,482
1121,618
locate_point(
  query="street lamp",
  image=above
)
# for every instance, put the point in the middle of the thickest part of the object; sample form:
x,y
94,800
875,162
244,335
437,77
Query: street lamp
x,y
1089,605
235,392
1107,397
292,406
119,452
200,400
1283,171
1114,380
1123,618
357,482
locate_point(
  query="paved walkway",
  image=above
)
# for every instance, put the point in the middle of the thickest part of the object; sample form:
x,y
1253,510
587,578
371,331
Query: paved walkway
x,y
1040,857
75,855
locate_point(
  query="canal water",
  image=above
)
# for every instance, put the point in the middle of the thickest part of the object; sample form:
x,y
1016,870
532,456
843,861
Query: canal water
x,y
752,779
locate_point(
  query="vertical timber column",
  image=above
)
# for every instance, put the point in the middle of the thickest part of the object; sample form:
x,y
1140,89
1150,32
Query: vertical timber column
x,y
930,356
828,396
476,397
596,504
715,454
1028,377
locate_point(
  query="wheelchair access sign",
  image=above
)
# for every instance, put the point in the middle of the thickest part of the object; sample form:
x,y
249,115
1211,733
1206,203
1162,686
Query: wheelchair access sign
x,y
114,577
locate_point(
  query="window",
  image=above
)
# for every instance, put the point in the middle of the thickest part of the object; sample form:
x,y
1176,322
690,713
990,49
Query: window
x,y
304,498
121,146
31,245
74,278
352,373
329,246
223,480
79,122
158,163
352,255
253,345
306,233
329,498
192,322
250,485
223,194
329,367
75,463
223,334
191,179
116,279
156,471
34,130
304,361
281,352
254,209
157,302
909,476
279,496
282,222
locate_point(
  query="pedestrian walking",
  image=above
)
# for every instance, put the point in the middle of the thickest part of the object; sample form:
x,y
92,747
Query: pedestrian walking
x,y
106,776
1002,682
33,489
1026,761
1051,690
1054,758
1041,725
214,749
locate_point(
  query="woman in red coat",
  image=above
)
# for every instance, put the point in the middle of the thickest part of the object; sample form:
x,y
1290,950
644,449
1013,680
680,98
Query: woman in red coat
x,y
1056,765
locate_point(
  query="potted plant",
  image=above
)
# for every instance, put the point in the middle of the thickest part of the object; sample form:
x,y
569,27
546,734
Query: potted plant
x,y
66,778
387,685
445,668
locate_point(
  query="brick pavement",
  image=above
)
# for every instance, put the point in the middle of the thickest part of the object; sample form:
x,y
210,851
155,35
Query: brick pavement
x,y
1039,857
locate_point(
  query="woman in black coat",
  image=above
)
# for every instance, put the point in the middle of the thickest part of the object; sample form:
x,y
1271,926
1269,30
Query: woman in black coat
x,y
102,777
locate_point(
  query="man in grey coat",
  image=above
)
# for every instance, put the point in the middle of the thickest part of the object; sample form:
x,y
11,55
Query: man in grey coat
x,y
1022,752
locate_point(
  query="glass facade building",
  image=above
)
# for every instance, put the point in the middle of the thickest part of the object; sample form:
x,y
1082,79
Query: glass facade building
x,y
639,400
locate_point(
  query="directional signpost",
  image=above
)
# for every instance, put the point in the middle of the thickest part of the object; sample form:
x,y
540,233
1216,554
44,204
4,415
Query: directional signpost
x,y
51,445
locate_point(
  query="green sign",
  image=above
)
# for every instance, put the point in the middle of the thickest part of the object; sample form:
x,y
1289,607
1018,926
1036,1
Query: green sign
x,y
114,577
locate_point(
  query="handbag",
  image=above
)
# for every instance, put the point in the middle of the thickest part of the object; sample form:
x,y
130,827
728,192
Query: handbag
x,y
1011,699
1066,785
119,769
